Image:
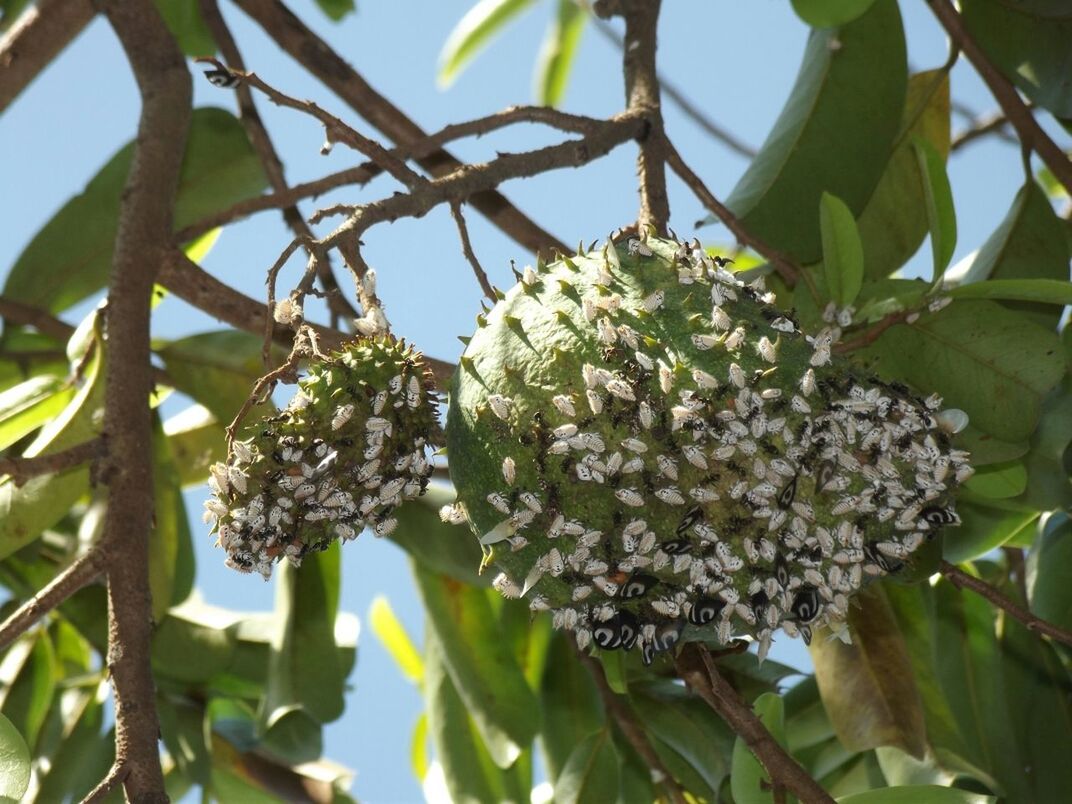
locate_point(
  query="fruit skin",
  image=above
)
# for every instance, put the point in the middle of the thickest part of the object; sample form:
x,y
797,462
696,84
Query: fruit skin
x,y
728,476
350,447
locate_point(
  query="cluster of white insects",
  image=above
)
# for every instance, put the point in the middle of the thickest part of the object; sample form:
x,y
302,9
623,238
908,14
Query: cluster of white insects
x,y
343,455
702,463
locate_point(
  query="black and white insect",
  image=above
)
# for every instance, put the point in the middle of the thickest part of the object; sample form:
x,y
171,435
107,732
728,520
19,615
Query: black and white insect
x,y
223,78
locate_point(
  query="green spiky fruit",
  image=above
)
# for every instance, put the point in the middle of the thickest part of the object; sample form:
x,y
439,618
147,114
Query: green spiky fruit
x,y
651,449
349,448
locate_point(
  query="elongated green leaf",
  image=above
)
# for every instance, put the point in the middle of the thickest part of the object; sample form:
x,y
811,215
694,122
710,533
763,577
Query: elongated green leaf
x,y
843,254
70,257
482,666
894,222
1035,54
28,405
569,703
392,634
193,630
807,723
983,529
830,13
999,480
304,668
1050,573
418,748
1027,259
84,750
43,501
183,18
14,762
182,728
981,358
336,9
27,683
447,549
914,794
985,449
867,686
634,777
468,769
473,32
749,780
591,773
1049,461
938,196
171,548
851,89
556,55
196,440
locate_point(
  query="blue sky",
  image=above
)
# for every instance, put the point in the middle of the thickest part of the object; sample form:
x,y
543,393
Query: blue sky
x,y
736,60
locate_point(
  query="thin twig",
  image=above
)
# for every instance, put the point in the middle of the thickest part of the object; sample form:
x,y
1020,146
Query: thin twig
x,y
287,371
78,574
34,40
642,97
1030,132
784,265
27,315
269,315
993,123
467,250
687,107
22,469
144,236
631,728
116,774
871,334
962,580
699,671
269,157
295,38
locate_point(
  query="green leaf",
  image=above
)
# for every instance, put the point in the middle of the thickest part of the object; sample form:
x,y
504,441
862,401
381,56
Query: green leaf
x,y
1035,54
985,449
450,550
69,259
304,668
850,90
557,52
27,683
999,481
192,630
468,769
43,501
473,32
482,666
171,548
979,357
915,794
386,626
182,728
591,773
749,780
84,751
894,222
830,13
843,254
183,18
28,405
1050,574
570,707
14,762
1049,461
807,723
336,9
983,529
196,440
938,195
1026,258
418,748
867,686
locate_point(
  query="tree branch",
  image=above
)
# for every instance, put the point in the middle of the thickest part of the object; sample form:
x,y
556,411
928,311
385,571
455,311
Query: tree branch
x,y
962,580
36,38
273,166
467,250
116,774
142,242
1030,132
993,123
332,70
631,728
78,574
27,315
679,99
22,469
698,670
783,264
642,97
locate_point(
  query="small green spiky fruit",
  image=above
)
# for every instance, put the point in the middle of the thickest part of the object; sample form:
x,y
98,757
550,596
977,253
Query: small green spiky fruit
x,y
349,448
651,450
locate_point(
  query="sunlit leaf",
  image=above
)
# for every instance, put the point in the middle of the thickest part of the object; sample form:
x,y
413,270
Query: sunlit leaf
x,y
192,630
591,772
85,750
182,728
387,628
749,780
938,197
473,32
482,667
14,762
1040,291
894,222
557,52
447,549
28,405
914,794
830,13
28,677
867,686
70,257
418,749
981,358
843,255
570,705
850,89
196,440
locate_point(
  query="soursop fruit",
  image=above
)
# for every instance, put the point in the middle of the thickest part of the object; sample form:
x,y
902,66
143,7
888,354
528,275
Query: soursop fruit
x,y
653,451
348,449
